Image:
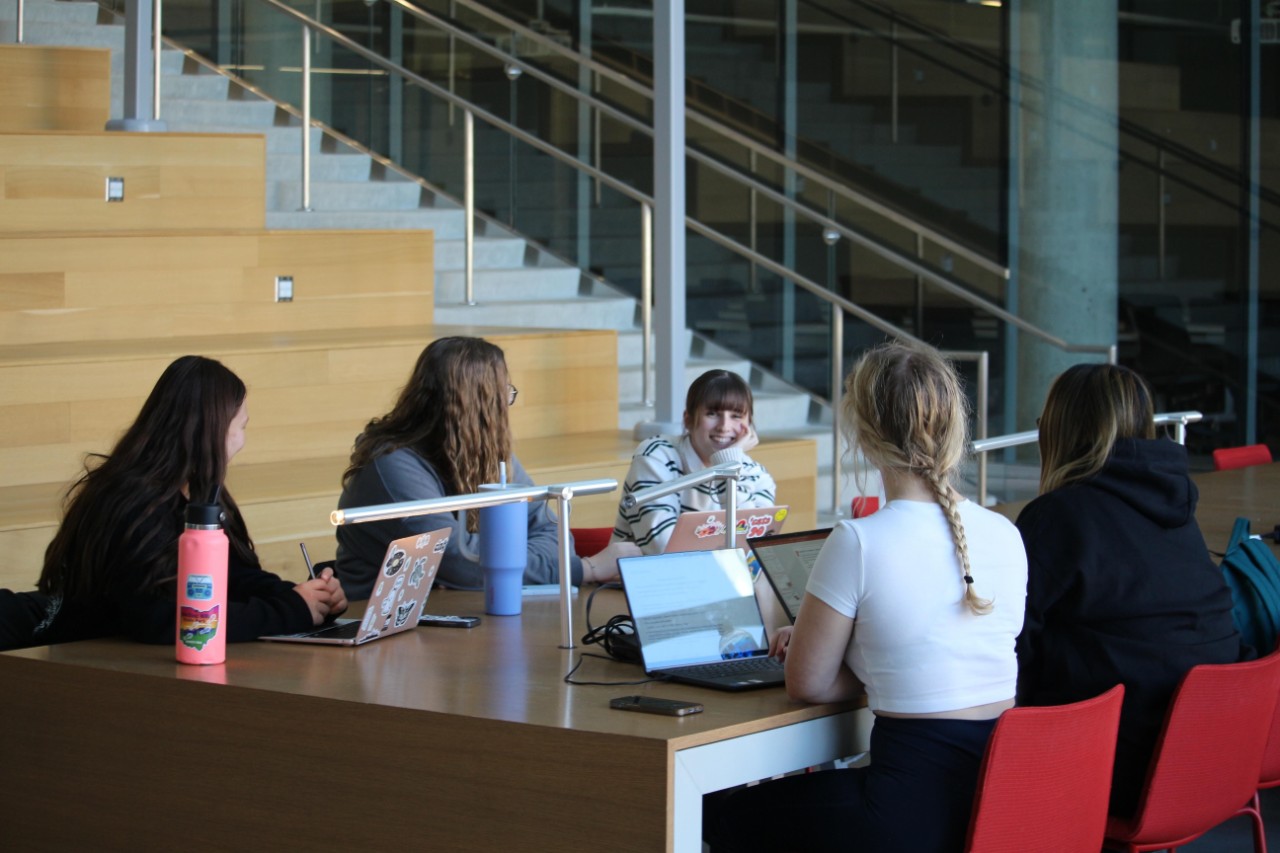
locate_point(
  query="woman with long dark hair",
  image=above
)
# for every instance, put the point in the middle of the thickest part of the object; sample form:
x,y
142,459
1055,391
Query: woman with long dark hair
x,y
446,435
112,566
1121,586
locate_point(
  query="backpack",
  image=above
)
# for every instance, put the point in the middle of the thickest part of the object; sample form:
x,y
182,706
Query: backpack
x,y
1252,573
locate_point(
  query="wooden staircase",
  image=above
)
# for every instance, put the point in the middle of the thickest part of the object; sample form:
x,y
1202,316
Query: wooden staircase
x,y
97,297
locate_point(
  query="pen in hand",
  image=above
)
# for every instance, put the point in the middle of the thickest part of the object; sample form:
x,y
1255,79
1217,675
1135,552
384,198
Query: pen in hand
x,y
311,570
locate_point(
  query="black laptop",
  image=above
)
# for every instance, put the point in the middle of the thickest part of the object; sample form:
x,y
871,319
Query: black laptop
x,y
697,619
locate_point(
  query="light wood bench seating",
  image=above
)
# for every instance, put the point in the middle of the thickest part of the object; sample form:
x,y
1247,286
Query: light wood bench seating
x,y
57,181
310,393
290,501
103,286
54,88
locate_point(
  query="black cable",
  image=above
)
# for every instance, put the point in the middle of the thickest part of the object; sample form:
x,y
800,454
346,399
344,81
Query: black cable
x,y
568,678
617,637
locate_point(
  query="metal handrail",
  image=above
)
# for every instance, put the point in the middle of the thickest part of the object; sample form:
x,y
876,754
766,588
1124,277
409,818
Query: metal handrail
x,y
562,493
811,175
729,471
18,28
842,305
1016,439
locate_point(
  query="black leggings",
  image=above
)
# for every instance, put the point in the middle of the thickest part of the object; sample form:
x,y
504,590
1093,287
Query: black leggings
x,y
916,795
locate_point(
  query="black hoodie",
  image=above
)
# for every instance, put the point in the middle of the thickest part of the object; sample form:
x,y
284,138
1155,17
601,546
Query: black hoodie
x,y
1121,589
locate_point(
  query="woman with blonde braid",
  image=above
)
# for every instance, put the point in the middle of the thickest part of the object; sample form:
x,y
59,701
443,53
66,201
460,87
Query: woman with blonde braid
x,y
919,605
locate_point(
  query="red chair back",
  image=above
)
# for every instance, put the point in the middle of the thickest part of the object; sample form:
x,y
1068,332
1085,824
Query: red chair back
x,y
1225,458
590,540
1269,777
1046,777
1207,760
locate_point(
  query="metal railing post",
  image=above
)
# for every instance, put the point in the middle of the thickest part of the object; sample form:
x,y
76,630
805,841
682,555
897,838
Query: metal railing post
x,y
646,299
469,205
306,117
19,29
1160,215
984,378
155,59
837,388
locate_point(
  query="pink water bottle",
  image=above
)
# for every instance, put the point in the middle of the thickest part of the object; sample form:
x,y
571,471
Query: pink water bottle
x,y
202,587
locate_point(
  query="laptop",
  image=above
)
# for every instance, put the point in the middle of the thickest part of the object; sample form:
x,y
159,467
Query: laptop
x,y
408,569
697,619
787,560
704,530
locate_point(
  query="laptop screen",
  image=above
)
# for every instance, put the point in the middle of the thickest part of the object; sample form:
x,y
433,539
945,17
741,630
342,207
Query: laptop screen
x,y
693,607
787,560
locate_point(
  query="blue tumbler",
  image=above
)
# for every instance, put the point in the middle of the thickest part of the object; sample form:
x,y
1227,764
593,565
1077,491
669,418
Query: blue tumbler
x,y
504,553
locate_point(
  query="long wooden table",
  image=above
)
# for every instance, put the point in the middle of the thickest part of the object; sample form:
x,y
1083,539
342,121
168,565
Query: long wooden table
x,y
440,739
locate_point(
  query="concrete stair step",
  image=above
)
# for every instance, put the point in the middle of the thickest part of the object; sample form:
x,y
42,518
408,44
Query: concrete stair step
x,y
489,252
345,195
324,167
520,285
583,312
445,222
44,11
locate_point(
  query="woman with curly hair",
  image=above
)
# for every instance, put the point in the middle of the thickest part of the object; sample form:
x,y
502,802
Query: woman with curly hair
x,y
446,435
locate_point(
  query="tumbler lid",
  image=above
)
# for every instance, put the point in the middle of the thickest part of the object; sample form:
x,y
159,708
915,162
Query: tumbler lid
x,y
203,515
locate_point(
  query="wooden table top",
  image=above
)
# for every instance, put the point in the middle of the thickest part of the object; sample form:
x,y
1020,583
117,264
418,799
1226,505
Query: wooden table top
x,y
507,668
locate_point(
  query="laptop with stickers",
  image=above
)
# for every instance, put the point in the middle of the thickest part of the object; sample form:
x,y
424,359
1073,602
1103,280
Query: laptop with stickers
x,y
787,561
703,530
697,619
404,581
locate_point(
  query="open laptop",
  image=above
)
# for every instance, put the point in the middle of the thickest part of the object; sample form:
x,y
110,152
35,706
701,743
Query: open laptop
x,y
697,619
787,560
404,581
704,530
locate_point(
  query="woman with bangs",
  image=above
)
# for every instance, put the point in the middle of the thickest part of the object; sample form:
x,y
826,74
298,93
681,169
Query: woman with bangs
x,y
1121,586
446,435
917,606
718,429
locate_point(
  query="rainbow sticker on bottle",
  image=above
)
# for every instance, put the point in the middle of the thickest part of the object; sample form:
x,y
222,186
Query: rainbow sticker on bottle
x,y
198,627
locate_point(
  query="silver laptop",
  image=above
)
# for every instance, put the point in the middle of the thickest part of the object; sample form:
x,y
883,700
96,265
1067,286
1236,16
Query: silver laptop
x,y
787,561
704,530
404,581
697,619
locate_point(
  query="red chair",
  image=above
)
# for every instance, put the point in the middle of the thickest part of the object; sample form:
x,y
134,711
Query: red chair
x,y
1208,758
1046,778
590,540
1226,458
1269,777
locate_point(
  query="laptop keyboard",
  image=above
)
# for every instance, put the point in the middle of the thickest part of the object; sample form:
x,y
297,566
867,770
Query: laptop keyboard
x,y
345,631
738,666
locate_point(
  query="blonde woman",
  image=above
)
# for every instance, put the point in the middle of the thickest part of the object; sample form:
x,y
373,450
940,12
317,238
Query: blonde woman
x,y
1121,586
918,605
446,435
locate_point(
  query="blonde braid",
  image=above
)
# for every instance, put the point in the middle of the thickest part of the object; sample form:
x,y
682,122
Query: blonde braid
x,y
942,490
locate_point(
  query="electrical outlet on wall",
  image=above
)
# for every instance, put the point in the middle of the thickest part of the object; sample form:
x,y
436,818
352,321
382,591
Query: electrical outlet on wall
x,y
115,189
284,288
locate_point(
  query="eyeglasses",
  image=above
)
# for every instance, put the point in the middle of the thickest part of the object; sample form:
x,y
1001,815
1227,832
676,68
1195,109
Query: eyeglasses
x,y
512,392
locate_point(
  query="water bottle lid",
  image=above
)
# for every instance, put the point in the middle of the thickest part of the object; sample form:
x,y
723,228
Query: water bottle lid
x,y
203,515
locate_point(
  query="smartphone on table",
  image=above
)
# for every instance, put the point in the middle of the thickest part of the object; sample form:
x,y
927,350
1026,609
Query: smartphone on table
x,y
654,705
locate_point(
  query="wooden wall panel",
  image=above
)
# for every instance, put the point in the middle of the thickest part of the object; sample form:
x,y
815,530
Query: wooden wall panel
x,y
54,88
125,286
57,181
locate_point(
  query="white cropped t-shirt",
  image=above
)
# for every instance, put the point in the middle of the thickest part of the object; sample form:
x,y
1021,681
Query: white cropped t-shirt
x,y
916,647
